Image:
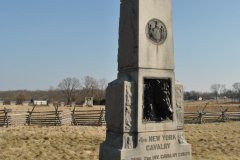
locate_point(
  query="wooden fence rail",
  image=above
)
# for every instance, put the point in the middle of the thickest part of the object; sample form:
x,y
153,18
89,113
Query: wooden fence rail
x,y
52,118
93,117
211,117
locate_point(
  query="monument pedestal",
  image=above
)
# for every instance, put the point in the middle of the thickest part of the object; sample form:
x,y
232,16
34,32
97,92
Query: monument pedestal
x,y
144,106
130,136
150,146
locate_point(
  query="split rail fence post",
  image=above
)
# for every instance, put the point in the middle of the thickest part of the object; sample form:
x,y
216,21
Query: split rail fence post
x,y
30,115
73,117
57,117
99,121
6,117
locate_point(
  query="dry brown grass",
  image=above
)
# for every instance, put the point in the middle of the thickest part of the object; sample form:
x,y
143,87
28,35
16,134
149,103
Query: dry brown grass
x,y
210,141
215,141
65,142
190,106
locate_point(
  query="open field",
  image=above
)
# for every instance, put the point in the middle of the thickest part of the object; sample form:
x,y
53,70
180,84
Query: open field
x,y
190,106
215,141
48,115
212,110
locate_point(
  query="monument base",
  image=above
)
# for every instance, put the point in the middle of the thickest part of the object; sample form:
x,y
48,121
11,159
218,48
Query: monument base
x,y
170,145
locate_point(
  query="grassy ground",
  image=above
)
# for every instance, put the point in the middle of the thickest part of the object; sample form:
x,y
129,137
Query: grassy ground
x,y
214,141
65,142
212,105
210,141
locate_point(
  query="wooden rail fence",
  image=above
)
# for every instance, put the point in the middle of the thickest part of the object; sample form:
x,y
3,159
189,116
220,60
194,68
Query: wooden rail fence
x,y
211,117
94,117
52,118
90,117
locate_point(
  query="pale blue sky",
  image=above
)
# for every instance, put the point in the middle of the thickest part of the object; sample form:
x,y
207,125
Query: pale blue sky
x,y
44,41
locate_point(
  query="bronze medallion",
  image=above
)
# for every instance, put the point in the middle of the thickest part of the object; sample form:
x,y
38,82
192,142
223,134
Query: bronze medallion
x,y
156,31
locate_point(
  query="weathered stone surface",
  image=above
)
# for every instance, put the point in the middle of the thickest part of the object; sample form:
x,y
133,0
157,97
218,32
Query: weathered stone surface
x,y
135,49
88,101
152,55
128,35
62,104
151,145
144,108
25,103
120,106
138,76
179,104
13,103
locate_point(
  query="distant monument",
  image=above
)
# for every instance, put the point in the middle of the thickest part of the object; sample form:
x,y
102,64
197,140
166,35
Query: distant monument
x,y
73,104
1,102
62,104
88,101
13,103
25,103
144,105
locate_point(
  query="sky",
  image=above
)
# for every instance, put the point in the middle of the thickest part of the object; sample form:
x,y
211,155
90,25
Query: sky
x,y
43,42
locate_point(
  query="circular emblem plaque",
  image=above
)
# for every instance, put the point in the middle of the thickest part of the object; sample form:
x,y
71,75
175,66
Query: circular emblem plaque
x,y
156,31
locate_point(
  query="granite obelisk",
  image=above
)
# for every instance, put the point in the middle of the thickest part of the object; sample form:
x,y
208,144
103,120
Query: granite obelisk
x,y
144,108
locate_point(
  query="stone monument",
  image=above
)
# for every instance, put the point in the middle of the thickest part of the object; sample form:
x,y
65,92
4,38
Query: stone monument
x,y
62,104
144,106
13,103
88,101
73,104
25,103
1,102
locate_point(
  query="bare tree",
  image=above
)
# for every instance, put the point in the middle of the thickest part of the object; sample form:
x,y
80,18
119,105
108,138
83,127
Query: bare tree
x,y
90,84
101,88
20,98
236,87
215,89
223,91
69,87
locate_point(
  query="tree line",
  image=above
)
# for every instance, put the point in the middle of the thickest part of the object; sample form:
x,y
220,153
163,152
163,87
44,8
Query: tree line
x,y
218,91
68,90
75,90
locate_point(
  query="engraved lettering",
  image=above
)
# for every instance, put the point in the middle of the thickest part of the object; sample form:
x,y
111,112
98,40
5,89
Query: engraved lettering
x,y
157,146
169,137
156,157
184,154
154,138
142,140
174,137
147,158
